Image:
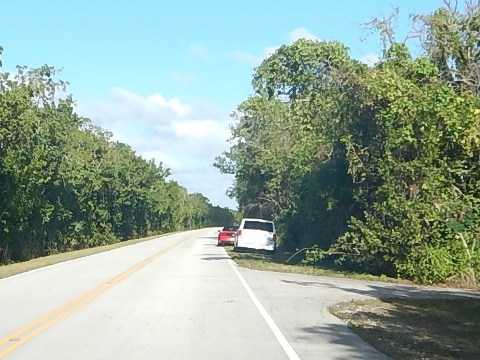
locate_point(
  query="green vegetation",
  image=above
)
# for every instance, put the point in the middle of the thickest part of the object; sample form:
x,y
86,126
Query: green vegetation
x,y
65,185
278,263
376,166
11,269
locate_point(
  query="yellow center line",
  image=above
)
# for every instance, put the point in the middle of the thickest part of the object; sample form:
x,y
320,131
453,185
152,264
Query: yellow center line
x,y
28,332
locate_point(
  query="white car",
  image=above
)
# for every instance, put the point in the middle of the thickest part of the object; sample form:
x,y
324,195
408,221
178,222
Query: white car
x,y
257,234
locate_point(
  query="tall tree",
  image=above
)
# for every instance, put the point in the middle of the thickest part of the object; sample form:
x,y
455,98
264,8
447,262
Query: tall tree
x,y
66,185
380,164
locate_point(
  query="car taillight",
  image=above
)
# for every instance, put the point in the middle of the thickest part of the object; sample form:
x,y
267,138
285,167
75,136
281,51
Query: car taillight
x,y
274,236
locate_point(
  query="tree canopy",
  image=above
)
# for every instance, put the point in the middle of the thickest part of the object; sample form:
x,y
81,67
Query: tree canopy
x,y
65,184
375,166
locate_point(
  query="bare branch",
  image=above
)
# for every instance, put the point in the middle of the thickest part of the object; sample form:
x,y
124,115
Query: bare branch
x,y
384,26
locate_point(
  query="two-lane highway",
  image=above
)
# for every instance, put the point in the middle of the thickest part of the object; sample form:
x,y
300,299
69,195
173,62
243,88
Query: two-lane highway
x,y
181,297
175,297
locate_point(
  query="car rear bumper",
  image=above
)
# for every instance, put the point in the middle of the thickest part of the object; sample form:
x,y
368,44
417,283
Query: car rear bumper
x,y
226,241
269,246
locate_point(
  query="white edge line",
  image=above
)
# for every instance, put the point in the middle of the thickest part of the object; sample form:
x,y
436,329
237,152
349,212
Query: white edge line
x,y
289,351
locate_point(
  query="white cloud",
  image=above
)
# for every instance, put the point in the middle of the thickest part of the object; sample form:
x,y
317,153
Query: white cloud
x,y
294,35
174,104
185,137
269,51
200,130
184,79
301,33
159,156
200,52
370,59
251,59
246,57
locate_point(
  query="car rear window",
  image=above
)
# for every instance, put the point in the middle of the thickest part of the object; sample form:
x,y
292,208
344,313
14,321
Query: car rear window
x,y
230,228
258,225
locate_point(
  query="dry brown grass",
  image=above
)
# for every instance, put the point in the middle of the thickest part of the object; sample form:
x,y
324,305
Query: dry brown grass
x,y
416,328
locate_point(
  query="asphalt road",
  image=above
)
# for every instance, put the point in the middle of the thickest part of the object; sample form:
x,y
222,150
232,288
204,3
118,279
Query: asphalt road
x,y
180,297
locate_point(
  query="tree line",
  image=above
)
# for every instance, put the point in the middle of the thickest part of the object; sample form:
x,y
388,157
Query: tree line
x,y
66,185
374,167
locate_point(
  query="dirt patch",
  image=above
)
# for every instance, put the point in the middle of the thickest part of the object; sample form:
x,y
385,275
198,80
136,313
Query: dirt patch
x,y
416,328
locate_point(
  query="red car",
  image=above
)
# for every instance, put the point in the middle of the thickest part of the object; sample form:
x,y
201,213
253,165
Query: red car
x,y
226,235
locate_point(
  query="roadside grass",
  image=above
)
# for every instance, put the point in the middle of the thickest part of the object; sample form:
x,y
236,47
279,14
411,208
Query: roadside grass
x,y
11,269
416,328
278,263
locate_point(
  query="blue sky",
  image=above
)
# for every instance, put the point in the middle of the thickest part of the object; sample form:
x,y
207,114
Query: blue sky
x,y
164,76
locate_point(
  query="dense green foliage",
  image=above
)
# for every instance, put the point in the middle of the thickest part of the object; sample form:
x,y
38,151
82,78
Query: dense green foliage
x,y
64,184
378,165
